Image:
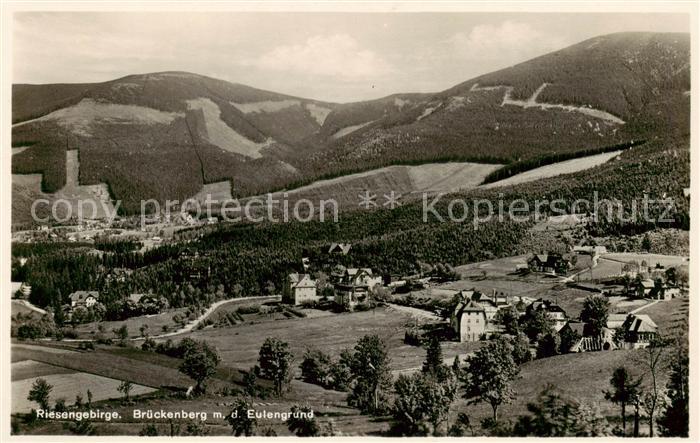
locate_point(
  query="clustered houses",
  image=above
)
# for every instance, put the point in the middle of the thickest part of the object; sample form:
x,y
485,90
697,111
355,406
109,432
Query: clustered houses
x,y
474,319
659,290
351,286
300,289
634,331
474,305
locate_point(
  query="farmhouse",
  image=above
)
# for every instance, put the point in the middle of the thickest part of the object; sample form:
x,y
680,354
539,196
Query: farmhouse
x,y
591,250
668,293
548,263
354,285
469,321
339,248
300,288
141,299
553,311
645,287
588,342
616,321
83,298
639,330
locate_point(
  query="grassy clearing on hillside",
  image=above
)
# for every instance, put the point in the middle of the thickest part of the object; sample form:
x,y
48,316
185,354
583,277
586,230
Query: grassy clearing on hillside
x,y
67,386
583,376
80,117
26,188
19,308
154,322
327,406
403,180
105,364
492,268
512,286
671,316
552,170
520,167
24,369
239,345
222,135
650,259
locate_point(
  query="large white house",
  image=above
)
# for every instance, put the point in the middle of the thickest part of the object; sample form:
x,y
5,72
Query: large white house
x,y
469,321
301,288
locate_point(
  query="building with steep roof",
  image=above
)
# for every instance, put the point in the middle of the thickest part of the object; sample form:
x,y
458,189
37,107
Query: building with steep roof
x,y
469,321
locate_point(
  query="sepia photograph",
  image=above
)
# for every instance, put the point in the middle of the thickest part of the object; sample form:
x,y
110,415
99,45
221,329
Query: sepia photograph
x,y
348,219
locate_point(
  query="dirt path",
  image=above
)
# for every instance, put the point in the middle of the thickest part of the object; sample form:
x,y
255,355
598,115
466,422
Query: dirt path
x,y
28,305
532,102
193,324
634,311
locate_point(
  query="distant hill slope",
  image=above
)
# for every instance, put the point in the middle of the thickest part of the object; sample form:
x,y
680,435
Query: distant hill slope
x,y
600,92
164,135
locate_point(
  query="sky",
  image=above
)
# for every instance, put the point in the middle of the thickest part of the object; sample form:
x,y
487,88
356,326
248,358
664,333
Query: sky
x,y
337,57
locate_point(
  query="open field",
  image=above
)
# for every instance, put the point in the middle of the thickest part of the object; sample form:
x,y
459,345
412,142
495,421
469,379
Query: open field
x,y
407,182
512,286
217,191
327,405
239,345
565,167
604,269
93,200
220,134
583,376
24,369
81,117
155,324
492,268
233,304
651,259
670,316
436,177
20,306
104,364
19,355
67,386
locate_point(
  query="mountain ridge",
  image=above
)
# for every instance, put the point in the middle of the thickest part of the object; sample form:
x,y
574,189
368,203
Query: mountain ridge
x,y
164,135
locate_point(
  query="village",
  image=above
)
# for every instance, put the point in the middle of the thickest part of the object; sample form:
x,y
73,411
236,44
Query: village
x,y
547,302
472,306
476,315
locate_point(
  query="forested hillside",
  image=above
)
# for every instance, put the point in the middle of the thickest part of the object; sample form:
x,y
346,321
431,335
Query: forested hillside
x,y
245,259
164,135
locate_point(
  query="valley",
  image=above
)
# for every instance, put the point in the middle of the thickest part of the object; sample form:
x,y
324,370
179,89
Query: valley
x,y
484,312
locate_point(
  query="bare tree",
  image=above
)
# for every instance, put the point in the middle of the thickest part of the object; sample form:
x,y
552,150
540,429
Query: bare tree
x,y
651,360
